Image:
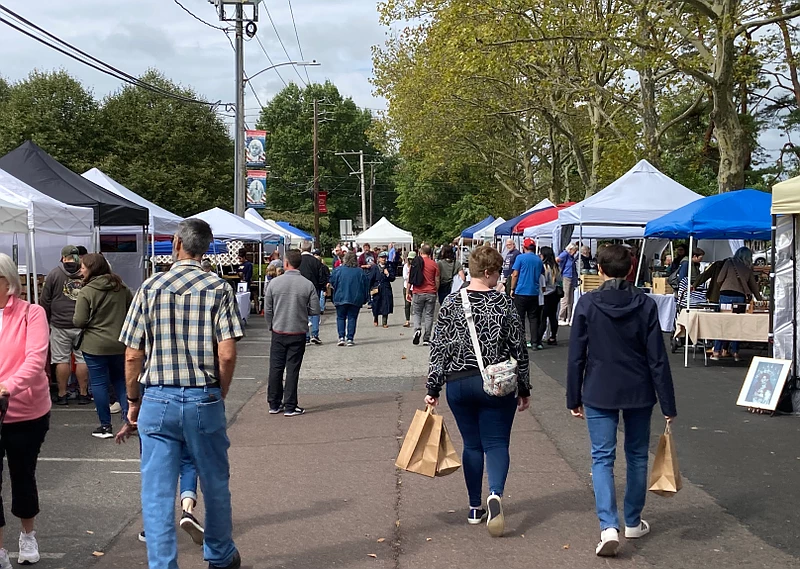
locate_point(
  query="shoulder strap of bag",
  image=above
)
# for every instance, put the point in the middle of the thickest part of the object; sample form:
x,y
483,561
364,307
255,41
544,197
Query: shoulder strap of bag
x,y
473,333
745,286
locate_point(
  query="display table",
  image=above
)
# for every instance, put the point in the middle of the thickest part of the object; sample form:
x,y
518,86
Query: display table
x,y
666,310
701,325
243,300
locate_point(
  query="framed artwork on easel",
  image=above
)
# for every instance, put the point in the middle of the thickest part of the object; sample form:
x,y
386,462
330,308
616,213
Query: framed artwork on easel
x,y
764,383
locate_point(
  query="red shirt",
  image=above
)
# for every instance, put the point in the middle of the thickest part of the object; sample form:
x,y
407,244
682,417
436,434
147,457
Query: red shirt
x,y
430,270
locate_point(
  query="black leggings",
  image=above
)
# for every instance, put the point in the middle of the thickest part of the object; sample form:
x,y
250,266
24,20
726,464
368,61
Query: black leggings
x,y
21,443
529,309
549,313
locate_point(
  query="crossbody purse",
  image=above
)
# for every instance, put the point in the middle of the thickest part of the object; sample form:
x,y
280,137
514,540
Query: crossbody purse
x,y
499,379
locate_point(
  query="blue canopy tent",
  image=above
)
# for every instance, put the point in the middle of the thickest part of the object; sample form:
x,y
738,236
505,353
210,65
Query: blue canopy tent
x,y
165,248
743,214
299,232
473,229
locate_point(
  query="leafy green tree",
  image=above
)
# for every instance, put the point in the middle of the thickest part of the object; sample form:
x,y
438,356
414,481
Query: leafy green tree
x,y
178,155
288,120
56,112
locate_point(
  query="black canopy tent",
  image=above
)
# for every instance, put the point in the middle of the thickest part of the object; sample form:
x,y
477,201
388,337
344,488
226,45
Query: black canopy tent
x,y
38,169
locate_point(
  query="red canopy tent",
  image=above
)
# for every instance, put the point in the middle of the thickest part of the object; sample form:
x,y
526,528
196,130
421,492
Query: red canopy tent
x,y
540,217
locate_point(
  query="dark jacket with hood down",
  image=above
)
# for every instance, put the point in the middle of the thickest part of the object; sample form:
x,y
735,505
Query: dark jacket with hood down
x,y
617,358
59,293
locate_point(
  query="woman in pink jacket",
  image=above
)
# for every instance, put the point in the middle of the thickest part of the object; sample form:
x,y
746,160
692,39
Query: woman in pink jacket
x,y
24,337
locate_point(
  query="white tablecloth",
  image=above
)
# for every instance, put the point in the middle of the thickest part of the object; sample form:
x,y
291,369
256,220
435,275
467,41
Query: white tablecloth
x,y
243,299
666,310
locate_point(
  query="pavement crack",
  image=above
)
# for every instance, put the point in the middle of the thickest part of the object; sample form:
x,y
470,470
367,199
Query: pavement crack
x,y
397,548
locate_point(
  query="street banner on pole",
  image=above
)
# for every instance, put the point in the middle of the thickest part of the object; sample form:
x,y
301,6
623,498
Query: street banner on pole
x,y
322,202
255,142
256,189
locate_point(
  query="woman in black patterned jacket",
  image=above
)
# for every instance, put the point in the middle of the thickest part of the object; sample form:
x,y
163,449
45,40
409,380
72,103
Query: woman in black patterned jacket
x,y
483,420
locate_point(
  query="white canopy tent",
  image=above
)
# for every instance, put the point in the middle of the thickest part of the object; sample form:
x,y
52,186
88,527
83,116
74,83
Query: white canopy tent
x,y
49,223
640,195
252,216
162,222
385,232
13,217
487,233
226,225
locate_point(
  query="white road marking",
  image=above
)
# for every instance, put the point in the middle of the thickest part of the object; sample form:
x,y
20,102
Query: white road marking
x,y
125,472
244,378
64,459
14,555
253,356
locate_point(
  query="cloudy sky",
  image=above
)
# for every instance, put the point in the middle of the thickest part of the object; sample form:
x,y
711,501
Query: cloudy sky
x,y
134,35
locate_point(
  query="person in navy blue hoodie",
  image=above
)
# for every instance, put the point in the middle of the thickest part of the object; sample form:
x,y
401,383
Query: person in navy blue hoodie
x,y
350,291
618,362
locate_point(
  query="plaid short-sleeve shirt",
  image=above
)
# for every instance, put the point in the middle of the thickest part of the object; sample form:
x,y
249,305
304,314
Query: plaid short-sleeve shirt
x,y
178,318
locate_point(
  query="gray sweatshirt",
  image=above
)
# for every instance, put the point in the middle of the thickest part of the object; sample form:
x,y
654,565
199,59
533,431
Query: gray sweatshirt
x,y
289,301
60,291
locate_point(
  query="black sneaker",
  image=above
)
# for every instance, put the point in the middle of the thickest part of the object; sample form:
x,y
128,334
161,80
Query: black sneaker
x,y
476,516
417,336
191,526
235,563
103,432
142,537
84,399
294,412
62,400
276,410
426,343
552,342
316,341
341,342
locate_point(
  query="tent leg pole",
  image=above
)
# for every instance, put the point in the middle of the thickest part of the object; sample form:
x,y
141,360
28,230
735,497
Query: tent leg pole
x,y
35,273
688,298
28,266
639,267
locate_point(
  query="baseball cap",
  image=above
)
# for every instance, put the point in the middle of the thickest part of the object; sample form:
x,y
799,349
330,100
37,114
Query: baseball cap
x,y
70,251
529,243
383,254
411,254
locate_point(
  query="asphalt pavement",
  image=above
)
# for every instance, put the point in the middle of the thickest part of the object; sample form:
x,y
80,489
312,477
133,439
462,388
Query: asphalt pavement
x,y
321,490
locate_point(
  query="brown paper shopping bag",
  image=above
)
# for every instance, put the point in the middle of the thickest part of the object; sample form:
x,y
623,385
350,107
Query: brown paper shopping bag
x,y
420,450
448,461
665,479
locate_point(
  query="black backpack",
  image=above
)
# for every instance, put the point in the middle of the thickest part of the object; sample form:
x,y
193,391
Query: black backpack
x,y
416,275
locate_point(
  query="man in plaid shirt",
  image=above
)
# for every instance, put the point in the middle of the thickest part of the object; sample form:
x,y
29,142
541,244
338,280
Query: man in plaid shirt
x,y
181,333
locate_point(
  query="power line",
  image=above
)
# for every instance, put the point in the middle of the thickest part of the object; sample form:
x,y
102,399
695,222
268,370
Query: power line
x,y
296,35
202,21
288,57
252,89
285,84
87,59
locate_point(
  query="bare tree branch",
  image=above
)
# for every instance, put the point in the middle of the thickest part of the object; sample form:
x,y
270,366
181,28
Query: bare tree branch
x,y
766,21
703,7
683,116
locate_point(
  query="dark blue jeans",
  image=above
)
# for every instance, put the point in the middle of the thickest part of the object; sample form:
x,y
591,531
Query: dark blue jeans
x,y
346,320
734,347
485,425
105,371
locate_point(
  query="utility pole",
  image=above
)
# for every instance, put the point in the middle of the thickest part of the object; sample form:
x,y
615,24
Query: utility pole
x,y
316,172
238,192
371,186
360,174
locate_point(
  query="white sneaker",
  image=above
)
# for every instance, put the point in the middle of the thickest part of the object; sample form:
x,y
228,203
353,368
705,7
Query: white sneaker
x,y
634,533
5,562
609,543
495,521
115,407
28,548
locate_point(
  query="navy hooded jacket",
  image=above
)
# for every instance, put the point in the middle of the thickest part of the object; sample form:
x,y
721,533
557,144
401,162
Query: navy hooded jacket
x,y
617,358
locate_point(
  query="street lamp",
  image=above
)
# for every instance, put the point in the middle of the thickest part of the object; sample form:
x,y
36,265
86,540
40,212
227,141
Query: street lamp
x,y
239,201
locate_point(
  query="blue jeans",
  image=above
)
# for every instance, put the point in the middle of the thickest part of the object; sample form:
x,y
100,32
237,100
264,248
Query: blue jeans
x,y
174,421
734,346
346,320
322,301
314,321
485,425
602,425
105,371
